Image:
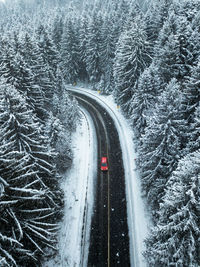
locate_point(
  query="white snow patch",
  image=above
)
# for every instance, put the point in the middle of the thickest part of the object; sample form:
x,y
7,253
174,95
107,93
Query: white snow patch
x,y
77,184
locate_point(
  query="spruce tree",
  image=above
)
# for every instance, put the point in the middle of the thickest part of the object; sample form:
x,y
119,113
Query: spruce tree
x,y
93,49
143,102
69,52
162,142
177,48
48,50
44,79
30,184
107,53
155,17
83,32
192,90
57,31
193,132
174,241
132,57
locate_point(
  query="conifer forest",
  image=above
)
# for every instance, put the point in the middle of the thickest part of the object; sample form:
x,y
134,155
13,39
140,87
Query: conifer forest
x,y
144,53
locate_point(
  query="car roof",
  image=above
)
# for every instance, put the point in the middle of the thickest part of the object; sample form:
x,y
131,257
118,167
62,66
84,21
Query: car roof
x,y
104,159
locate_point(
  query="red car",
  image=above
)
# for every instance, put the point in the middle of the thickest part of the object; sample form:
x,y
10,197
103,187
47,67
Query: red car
x,y
104,163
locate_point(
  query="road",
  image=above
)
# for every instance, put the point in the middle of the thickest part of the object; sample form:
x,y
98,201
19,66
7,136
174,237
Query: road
x,y
109,238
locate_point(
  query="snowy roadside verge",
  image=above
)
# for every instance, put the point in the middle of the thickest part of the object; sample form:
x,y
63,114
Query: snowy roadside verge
x,y
78,192
138,220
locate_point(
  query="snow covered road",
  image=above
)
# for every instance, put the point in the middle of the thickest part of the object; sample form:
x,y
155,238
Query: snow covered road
x,y
137,219
79,182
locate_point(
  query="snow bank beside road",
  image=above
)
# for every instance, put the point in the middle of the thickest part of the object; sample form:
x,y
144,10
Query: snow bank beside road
x,y
78,191
137,218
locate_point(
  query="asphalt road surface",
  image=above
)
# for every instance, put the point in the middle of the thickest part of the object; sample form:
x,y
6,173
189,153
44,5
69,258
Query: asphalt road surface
x,y
109,238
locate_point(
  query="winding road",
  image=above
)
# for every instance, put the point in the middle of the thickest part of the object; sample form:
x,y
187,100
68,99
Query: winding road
x,y
109,237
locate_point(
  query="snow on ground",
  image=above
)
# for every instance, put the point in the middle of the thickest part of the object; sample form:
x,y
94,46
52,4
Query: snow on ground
x,y
78,190
138,219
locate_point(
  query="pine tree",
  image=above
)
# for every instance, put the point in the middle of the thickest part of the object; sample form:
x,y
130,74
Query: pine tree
x,y
59,126
69,52
59,83
48,50
43,78
155,17
59,139
30,185
8,67
174,241
83,32
189,10
177,48
107,53
93,49
192,90
144,99
18,73
162,143
193,132
133,13
122,11
57,31
68,112
131,59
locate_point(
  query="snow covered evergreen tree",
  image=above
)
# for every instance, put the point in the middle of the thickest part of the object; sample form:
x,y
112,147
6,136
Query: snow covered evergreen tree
x,y
177,48
57,31
162,143
93,48
69,52
155,17
189,10
43,78
48,50
107,54
144,99
122,12
132,57
83,32
8,67
18,72
60,124
174,241
32,98
192,90
30,185
193,132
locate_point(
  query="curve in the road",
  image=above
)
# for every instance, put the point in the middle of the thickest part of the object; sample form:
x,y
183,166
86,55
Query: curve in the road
x,y
138,220
109,244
